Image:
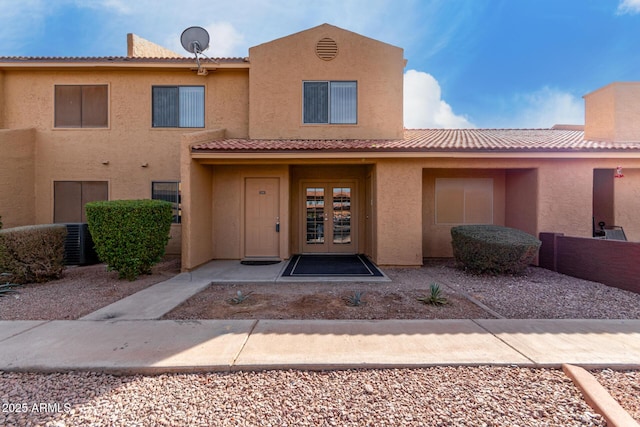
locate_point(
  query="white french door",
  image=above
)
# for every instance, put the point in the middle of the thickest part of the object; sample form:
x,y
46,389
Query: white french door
x,y
329,217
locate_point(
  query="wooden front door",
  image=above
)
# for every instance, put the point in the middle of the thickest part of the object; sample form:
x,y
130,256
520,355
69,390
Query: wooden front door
x,y
262,218
329,224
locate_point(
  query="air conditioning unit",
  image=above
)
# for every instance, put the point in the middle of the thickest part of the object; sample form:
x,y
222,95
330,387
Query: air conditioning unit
x,y
78,245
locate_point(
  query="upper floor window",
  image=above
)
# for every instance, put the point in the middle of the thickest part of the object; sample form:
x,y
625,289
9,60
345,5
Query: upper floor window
x,y
81,106
178,106
330,102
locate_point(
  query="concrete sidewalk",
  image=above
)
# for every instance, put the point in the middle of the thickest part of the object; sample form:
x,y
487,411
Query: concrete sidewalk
x,y
127,337
156,346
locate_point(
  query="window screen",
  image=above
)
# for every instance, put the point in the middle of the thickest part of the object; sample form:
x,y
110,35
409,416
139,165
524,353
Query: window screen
x,y
178,106
330,102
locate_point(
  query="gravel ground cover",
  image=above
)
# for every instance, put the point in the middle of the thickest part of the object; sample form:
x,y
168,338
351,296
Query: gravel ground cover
x,y
80,291
441,396
540,294
624,386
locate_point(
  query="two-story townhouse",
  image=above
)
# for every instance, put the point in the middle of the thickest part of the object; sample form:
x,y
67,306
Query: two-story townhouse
x,y
299,148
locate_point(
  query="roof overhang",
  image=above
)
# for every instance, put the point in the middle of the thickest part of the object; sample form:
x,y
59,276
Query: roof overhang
x,y
122,63
371,157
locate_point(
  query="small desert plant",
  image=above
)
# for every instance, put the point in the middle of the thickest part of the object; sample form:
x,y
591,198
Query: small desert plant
x,y
354,300
7,287
239,298
435,296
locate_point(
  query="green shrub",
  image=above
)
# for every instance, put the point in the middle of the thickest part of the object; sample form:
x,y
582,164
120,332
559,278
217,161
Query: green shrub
x,y
33,253
129,235
493,249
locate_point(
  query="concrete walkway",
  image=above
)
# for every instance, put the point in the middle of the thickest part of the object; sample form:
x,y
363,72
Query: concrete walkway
x,y
154,346
126,337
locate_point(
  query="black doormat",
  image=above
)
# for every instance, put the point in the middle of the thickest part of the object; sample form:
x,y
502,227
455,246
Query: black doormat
x,y
331,265
259,262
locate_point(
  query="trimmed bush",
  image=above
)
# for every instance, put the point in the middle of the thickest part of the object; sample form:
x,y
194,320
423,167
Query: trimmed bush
x,y
129,235
493,249
33,253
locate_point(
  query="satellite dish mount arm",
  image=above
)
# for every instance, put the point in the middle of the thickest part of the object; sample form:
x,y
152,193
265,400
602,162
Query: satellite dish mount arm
x,y
196,41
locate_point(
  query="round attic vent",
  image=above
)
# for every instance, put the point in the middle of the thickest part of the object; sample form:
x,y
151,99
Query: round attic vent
x,y
327,49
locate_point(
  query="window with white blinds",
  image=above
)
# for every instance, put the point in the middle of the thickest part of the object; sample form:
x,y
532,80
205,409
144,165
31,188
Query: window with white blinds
x,y
178,106
330,102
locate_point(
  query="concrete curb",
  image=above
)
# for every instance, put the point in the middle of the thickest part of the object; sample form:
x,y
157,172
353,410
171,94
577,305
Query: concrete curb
x,y
599,398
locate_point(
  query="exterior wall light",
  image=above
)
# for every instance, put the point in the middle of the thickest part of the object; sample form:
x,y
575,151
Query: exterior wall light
x,y
144,165
619,173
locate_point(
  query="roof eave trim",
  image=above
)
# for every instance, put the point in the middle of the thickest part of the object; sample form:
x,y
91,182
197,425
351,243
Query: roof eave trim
x,y
122,65
288,154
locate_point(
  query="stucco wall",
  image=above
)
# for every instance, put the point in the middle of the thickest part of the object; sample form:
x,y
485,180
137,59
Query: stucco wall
x,y
197,202
116,154
399,213
2,99
521,200
612,113
599,112
565,192
17,177
627,126
139,47
278,69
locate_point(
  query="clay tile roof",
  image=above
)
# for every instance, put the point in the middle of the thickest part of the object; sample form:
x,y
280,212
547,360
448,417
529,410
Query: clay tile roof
x,y
434,140
115,59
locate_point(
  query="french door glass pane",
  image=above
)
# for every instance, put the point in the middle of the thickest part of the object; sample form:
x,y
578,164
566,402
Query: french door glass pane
x,y
315,215
341,215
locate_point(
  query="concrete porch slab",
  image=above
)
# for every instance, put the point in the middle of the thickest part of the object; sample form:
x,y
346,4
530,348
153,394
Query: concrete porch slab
x,y
230,271
335,344
127,346
583,342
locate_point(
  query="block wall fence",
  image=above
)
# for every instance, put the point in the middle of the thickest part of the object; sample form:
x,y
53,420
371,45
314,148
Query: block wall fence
x,y
614,263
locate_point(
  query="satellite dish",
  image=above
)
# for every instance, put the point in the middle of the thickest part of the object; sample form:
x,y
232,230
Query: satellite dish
x,y
195,40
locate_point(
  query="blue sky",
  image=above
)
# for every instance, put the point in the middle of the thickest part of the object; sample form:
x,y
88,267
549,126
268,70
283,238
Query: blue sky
x,y
471,63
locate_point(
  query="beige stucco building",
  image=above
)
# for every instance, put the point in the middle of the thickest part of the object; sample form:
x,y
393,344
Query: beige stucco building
x,y
298,148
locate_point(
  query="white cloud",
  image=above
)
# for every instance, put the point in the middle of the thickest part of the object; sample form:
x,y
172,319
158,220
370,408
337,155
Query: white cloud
x,y
423,104
628,6
547,107
225,39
